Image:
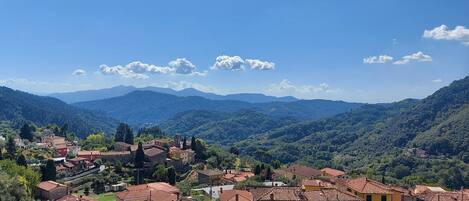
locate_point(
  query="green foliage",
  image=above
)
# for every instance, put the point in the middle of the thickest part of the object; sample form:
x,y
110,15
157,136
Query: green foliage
x,y
25,176
171,172
26,133
12,189
11,147
160,173
48,171
124,134
139,157
21,160
97,142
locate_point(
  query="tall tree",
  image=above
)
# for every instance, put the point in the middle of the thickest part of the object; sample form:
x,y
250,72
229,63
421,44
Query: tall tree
x,y
184,143
25,132
64,130
193,144
11,148
48,171
129,136
268,173
21,160
139,156
120,132
171,175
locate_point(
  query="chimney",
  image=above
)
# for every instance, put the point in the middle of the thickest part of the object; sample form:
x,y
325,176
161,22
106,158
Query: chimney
x,y
221,190
237,197
272,197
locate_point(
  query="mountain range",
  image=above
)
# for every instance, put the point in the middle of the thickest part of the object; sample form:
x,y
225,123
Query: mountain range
x,y
20,107
147,107
90,95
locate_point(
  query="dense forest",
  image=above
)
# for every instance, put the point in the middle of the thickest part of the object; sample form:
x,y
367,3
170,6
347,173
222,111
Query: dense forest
x,y
20,107
381,140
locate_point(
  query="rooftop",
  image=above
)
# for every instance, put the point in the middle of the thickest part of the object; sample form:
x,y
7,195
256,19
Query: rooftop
x,y
49,185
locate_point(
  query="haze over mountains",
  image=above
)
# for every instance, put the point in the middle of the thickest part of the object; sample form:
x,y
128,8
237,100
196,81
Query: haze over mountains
x,y
90,95
143,107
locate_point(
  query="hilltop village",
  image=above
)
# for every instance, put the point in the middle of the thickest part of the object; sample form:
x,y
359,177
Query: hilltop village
x,y
152,166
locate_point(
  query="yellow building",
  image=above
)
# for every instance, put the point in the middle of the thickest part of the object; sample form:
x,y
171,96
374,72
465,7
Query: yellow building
x,y
370,190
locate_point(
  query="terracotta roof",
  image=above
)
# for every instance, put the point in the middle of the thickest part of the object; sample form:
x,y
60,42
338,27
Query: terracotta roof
x,y
445,196
333,172
157,191
115,153
153,152
314,182
74,197
422,189
278,193
303,171
365,185
329,195
230,195
77,159
88,153
49,185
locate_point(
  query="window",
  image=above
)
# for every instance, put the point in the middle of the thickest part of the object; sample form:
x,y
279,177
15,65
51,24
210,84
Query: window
x,y
368,197
349,190
383,198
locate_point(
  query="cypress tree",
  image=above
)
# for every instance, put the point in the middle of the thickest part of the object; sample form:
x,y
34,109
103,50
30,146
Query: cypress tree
x,y
48,171
21,160
11,148
64,130
139,156
129,135
171,176
193,144
120,133
25,132
184,143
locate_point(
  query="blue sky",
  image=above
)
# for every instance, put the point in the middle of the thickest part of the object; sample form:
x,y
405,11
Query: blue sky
x,y
365,51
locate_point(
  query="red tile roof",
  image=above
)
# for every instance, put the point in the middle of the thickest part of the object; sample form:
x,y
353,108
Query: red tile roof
x,y
153,152
74,197
303,171
158,191
333,172
230,195
295,193
365,185
49,185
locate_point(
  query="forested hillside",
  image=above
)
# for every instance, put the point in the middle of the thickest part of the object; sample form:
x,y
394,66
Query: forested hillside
x,y
19,107
223,128
380,140
140,107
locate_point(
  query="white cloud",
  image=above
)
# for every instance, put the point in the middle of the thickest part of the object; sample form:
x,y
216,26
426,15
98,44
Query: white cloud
x,y
459,33
225,62
381,59
140,70
180,85
79,72
260,65
438,80
287,88
236,63
419,57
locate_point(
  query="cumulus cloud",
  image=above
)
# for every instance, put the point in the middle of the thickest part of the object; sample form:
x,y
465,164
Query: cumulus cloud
x,y
236,63
140,70
79,72
419,57
225,62
285,87
459,33
260,65
381,59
